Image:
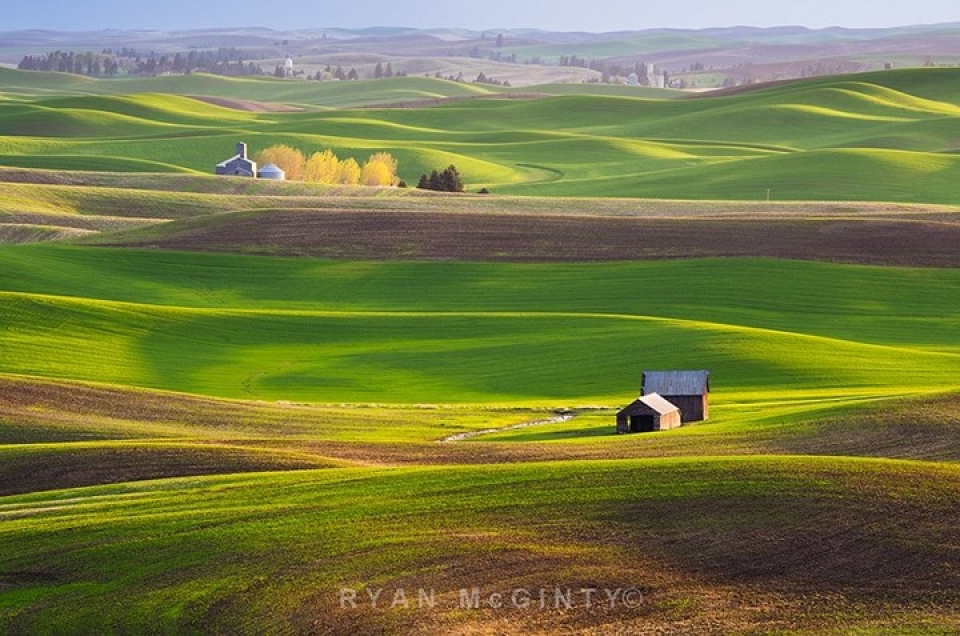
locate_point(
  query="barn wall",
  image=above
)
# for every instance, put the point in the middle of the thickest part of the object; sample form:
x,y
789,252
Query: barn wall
x,y
245,167
662,422
637,408
670,420
694,408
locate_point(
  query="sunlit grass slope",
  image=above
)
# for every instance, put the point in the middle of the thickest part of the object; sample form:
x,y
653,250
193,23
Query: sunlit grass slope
x,y
270,553
103,201
906,305
444,333
21,84
376,357
882,136
835,175
57,433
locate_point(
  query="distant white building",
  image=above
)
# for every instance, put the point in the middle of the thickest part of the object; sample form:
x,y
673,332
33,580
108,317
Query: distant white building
x,y
238,165
288,67
656,77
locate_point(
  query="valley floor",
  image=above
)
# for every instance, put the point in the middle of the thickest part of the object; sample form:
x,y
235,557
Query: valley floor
x,y
167,436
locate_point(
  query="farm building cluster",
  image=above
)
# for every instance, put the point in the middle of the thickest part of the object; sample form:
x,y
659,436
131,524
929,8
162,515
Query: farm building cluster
x,y
668,399
240,165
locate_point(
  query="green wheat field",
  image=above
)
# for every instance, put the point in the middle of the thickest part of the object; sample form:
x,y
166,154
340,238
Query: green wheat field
x,y
224,402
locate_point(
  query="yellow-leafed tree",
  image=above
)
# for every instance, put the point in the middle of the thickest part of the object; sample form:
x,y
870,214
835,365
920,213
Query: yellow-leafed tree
x,y
380,170
349,171
288,159
323,167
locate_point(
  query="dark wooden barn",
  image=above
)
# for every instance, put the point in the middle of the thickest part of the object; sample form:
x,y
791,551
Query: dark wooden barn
x,y
649,413
686,389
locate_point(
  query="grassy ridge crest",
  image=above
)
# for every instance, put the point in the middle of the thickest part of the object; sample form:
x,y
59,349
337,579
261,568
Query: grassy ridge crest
x,y
583,145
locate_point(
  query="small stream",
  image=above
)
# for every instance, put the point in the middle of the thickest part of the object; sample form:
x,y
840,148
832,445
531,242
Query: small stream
x,y
459,437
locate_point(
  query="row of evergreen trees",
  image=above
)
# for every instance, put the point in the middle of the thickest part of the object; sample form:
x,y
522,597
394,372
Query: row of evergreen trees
x,y
447,181
228,62
92,64
220,62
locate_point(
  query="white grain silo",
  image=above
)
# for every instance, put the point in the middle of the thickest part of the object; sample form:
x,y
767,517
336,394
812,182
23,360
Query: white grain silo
x,y
272,172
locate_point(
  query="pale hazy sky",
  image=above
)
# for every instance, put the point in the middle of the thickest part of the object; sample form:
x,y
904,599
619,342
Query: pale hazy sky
x,y
556,15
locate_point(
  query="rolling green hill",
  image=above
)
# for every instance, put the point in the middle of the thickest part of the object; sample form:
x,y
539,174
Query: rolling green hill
x,y
267,91
280,329
271,553
24,85
873,137
250,516
213,441
617,47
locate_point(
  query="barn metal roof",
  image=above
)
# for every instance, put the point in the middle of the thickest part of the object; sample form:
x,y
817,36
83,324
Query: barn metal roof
x,y
676,382
225,162
236,158
659,403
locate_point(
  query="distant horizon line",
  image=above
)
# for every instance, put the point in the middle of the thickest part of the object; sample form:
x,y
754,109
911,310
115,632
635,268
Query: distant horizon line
x,y
320,29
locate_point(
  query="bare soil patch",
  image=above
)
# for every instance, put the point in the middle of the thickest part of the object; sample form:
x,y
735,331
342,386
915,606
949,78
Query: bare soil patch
x,y
76,466
437,101
406,235
247,105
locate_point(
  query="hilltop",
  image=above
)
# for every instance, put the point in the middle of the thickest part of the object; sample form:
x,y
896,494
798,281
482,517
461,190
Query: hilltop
x,y
703,58
886,136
